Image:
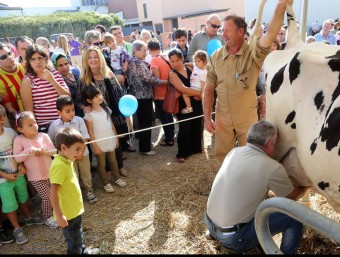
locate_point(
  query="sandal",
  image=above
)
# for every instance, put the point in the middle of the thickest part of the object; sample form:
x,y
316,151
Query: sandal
x,y
180,159
170,143
163,143
123,172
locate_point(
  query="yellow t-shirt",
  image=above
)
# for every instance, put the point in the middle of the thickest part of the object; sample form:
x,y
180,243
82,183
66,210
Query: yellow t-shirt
x,y
70,198
10,83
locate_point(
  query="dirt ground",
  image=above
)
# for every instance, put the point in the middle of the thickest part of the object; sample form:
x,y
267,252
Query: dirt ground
x,y
160,211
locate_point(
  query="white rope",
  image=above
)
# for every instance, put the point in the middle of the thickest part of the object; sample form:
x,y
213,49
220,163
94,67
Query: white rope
x,y
120,135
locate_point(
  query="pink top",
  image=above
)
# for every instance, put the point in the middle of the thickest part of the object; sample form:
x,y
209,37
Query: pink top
x,y
37,166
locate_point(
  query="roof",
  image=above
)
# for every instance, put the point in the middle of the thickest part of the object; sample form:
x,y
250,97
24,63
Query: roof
x,y
4,8
195,14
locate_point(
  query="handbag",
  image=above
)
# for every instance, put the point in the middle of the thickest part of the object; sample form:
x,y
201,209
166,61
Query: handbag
x,y
171,99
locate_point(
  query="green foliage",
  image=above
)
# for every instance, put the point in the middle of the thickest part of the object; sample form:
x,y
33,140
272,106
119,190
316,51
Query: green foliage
x,y
62,22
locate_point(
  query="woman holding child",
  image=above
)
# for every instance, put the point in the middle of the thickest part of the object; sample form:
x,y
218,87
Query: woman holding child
x,y
190,132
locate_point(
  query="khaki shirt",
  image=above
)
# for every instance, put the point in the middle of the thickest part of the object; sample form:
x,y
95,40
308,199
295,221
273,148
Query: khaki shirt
x,y
235,78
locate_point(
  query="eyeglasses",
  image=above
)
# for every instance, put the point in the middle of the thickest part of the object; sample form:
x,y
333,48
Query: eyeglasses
x,y
214,25
40,58
144,51
4,56
98,43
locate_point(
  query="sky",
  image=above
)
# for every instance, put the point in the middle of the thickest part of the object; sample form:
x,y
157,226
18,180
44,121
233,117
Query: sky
x,y
36,3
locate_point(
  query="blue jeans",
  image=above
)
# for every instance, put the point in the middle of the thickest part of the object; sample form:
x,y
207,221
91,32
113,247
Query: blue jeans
x,y
73,234
246,237
169,130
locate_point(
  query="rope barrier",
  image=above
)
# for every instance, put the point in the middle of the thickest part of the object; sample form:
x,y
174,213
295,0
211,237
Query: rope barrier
x,y
120,135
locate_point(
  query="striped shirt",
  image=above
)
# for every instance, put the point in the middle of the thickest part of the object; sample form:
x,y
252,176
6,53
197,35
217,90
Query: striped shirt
x,y
44,98
10,83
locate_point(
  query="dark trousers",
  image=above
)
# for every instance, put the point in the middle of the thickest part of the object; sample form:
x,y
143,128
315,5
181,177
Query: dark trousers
x,y
123,141
144,116
169,130
73,234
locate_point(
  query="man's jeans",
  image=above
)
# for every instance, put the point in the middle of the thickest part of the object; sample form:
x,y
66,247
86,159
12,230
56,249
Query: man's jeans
x,y
246,237
73,234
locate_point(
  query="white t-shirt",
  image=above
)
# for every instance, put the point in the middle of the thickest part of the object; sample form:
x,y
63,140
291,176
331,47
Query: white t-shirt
x,y
196,77
115,58
8,165
102,128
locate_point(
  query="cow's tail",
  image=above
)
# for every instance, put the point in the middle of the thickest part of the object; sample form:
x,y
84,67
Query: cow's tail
x,y
256,30
293,35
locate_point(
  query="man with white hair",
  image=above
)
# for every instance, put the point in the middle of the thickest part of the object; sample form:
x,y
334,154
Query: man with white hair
x,y
325,34
201,39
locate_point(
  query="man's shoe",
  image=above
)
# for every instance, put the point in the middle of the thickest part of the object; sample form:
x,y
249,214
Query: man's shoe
x,y
20,237
209,236
131,149
5,236
149,153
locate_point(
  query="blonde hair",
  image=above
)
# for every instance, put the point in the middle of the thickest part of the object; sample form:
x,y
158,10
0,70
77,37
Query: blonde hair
x,y
63,43
86,74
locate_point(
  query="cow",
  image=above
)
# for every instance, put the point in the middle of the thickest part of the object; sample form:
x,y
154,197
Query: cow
x,y
303,102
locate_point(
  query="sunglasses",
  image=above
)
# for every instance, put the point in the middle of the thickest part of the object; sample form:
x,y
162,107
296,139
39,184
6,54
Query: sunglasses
x,y
215,26
98,43
4,56
281,34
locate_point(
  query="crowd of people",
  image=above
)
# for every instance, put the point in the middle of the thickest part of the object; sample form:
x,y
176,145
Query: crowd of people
x,y
55,99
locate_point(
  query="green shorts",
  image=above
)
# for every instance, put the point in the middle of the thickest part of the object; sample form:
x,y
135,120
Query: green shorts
x,y
13,193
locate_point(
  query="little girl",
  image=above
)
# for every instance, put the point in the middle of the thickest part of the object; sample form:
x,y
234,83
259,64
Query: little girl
x,y
197,78
30,141
99,125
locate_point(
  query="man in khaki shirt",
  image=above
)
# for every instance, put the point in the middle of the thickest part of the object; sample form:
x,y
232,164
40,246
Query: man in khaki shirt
x,y
233,72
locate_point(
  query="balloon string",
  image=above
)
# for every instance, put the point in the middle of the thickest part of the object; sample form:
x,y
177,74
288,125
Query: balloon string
x,y
120,135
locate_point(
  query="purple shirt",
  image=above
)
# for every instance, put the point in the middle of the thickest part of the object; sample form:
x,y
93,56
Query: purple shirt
x,y
75,47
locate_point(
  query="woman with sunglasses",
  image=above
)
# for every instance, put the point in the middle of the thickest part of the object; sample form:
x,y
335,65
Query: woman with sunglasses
x,y
95,72
41,87
92,38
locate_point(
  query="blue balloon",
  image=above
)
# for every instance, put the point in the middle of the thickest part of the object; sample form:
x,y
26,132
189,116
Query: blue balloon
x,y
213,45
128,105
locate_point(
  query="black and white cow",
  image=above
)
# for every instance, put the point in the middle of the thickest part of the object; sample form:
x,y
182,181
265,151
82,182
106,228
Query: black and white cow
x,y
303,101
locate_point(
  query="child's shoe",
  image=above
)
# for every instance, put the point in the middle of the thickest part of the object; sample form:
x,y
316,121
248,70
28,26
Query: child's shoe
x,y
34,221
51,223
109,188
120,182
187,110
20,237
91,197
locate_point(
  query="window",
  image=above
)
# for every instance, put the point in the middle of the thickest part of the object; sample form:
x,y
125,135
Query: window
x,y
145,11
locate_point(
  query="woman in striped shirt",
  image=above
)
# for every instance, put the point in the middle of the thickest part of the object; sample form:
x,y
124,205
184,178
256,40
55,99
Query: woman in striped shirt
x,y
41,87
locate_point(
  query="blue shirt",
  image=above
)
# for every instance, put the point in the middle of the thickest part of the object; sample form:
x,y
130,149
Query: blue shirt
x,y
319,37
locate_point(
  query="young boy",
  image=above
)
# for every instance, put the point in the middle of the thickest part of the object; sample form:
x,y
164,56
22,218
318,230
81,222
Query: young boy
x,y
13,185
66,196
82,165
181,37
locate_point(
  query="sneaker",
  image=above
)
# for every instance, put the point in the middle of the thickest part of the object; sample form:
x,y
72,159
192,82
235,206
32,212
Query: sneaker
x,y
20,237
35,221
5,237
109,188
186,110
131,149
91,197
120,182
51,223
149,153
93,251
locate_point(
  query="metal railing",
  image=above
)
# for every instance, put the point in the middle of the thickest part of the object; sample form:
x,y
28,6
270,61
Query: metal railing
x,y
305,215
